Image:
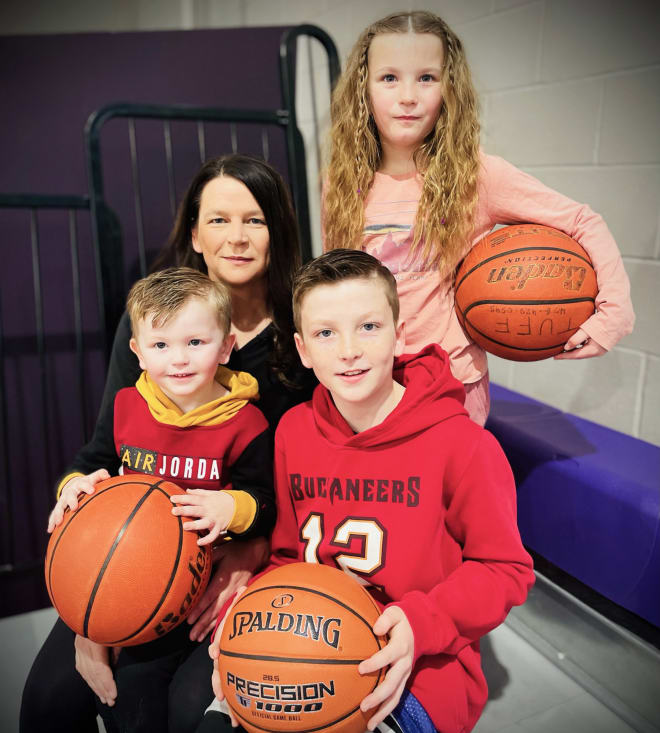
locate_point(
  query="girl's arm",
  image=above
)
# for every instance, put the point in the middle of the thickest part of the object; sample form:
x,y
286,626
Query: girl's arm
x,y
123,371
510,196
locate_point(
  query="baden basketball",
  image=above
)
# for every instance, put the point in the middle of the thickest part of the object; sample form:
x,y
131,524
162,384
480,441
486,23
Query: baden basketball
x,y
121,570
290,649
524,290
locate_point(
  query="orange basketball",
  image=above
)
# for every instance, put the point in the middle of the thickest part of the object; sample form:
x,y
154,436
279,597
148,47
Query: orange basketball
x,y
290,649
524,290
121,570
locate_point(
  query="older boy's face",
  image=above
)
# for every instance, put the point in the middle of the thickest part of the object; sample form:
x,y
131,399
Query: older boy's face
x,y
349,339
182,355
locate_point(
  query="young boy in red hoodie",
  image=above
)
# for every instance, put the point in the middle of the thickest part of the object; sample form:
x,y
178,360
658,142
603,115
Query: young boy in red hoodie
x,y
384,475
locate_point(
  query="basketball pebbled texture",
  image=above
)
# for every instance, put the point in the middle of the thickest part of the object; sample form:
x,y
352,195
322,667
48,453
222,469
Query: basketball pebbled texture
x,y
290,649
522,291
121,570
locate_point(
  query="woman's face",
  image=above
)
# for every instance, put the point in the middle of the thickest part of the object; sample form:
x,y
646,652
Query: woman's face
x,y
231,233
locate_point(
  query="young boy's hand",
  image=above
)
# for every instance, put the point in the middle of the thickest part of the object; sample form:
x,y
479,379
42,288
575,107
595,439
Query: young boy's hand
x,y
398,654
214,509
70,493
214,653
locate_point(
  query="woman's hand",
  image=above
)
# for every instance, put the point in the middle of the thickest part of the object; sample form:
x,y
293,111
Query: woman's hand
x,y
237,563
398,654
93,665
580,346
70,493
214,653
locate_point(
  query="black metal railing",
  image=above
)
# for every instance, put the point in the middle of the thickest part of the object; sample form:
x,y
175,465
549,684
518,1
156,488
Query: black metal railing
x,y
40,342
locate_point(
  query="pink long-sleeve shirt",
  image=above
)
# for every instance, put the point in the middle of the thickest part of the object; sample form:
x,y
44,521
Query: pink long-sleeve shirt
x,y
506,195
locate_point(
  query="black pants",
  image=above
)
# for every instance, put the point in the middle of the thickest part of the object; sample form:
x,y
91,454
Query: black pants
x,y
162,686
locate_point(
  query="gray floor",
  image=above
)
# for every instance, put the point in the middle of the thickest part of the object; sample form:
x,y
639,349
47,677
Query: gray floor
x,y
529,694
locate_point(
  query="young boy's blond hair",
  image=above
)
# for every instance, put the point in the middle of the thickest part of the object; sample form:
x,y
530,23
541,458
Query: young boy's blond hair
x,y
163,293
335,266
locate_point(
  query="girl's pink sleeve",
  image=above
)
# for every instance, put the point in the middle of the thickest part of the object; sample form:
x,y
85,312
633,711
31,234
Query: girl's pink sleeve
x,y
510,196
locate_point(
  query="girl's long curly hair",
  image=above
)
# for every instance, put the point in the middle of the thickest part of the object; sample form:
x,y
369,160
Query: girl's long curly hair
x,y
448,159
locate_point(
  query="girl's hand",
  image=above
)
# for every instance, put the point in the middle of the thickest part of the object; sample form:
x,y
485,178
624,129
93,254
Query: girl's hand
x,y
214,509
398,654
236,563
70,492
580,346
93,665
214,653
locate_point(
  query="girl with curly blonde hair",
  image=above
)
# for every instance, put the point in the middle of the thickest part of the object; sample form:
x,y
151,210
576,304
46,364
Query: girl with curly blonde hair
x,y
408,183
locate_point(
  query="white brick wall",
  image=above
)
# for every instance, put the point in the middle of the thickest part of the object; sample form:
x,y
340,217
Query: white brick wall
x,y
570,92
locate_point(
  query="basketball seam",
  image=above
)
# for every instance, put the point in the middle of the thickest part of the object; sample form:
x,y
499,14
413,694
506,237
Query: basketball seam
x,y
293,660
109,555
514,251
159,605
68,524
64,529
516,348
306,730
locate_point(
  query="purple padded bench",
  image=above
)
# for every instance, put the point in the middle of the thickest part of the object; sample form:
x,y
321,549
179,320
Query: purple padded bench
x,y
588,498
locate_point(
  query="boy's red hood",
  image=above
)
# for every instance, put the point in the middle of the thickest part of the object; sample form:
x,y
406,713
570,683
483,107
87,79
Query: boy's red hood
x,y
432,395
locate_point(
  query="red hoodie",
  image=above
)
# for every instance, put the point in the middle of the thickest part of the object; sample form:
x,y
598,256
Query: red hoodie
x,y
422,508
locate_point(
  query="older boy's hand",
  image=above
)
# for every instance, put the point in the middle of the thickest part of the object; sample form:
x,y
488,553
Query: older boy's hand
x,y
580,346
70,493
235,563
214,510
398,654
214,653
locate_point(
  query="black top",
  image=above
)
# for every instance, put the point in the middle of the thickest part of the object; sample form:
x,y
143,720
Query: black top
x,y
275,398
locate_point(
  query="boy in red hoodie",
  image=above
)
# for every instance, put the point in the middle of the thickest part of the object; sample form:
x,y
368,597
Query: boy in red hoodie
x,y
384,475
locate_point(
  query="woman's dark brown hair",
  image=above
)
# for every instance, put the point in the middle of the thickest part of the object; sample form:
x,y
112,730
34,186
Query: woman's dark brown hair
x,y
271,193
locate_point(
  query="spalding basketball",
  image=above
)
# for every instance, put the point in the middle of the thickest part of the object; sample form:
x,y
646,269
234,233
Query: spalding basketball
x,y
290,649
121,570
524,290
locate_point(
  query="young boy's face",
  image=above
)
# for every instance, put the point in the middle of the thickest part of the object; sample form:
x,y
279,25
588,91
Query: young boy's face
x,y
182,355
349,338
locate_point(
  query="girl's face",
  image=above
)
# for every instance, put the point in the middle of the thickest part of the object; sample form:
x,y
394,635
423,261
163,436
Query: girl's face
x,y
404,84
231,233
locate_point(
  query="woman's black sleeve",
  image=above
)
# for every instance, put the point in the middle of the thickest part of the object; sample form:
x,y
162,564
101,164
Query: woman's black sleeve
x,y
123,371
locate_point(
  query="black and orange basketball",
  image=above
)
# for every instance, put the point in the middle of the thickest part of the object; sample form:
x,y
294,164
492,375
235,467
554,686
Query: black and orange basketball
x,y
524,290
121,570
290,649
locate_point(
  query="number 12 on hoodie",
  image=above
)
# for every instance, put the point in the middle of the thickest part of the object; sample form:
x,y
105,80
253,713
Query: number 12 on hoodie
x,y
370,531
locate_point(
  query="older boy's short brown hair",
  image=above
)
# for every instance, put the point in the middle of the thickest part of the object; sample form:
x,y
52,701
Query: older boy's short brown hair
x,y
337,265
161,294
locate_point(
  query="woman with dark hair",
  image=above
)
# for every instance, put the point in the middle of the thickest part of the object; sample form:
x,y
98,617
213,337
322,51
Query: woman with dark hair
x,y
236,223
